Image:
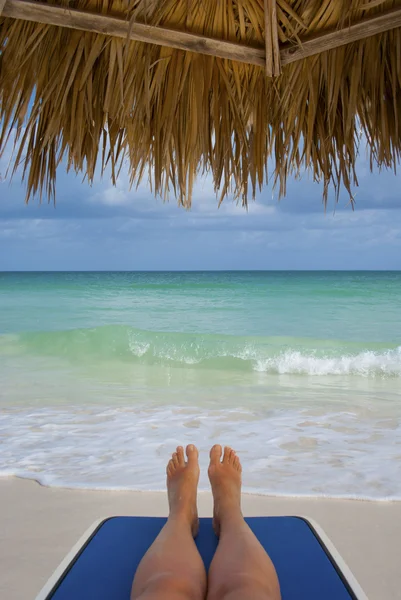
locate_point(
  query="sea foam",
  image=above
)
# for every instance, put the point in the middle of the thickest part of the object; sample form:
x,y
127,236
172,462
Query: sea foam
x,y
294,452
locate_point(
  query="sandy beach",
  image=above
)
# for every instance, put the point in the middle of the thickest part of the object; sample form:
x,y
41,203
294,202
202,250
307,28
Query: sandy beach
x,y
39,525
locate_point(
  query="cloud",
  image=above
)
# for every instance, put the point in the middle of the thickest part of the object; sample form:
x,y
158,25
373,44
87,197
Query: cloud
x,y
265,239
106,227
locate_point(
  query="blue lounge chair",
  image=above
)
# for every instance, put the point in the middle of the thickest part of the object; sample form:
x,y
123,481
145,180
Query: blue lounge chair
x,y
103,564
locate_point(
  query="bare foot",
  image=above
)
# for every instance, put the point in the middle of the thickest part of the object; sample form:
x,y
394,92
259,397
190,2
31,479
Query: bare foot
x,y
225,479
182,485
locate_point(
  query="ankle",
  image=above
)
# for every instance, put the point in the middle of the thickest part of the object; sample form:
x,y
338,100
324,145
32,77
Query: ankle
x,y
183,514
184,520
229,512
228,506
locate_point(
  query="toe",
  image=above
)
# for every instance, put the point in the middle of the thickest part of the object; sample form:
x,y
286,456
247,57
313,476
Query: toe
x,y
231,457
170,467
192,454
215,454
181,457
226,456
175,459
237,463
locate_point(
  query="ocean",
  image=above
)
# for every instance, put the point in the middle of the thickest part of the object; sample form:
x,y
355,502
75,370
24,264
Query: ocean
x,y
103,374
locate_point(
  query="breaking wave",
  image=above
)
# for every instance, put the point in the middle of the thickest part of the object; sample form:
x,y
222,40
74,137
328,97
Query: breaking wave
x,y
280,355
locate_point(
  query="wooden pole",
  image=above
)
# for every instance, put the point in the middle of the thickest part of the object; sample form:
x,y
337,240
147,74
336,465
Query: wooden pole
x,y
273,60
276,47
74,19
268,39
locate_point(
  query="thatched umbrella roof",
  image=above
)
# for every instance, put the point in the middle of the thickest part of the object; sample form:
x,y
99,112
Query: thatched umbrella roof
x,y
180,87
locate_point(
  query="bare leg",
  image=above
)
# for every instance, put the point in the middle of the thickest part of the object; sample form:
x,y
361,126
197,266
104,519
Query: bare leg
x,y
241,569
172,568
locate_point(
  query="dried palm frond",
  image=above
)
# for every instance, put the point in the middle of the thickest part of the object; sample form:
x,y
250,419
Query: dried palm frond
x,y
94,100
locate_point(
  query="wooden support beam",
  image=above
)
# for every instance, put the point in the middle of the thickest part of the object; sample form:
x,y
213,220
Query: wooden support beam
x,y
273,63
268,41
276,45
74,19
390,19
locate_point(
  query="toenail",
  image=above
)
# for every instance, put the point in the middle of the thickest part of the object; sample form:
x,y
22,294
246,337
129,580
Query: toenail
x,y
190,447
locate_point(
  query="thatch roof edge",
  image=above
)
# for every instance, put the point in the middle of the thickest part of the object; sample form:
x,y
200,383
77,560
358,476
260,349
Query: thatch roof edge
x,y
200,102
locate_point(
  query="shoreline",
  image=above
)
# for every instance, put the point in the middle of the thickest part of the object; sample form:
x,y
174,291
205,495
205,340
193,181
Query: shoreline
x,y
245,492
39,525
311,444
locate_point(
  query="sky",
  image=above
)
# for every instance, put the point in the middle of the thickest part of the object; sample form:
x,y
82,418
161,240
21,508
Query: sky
x,y
100,227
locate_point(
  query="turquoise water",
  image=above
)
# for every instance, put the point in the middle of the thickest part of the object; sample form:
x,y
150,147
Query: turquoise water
x,y
101,374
